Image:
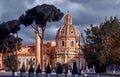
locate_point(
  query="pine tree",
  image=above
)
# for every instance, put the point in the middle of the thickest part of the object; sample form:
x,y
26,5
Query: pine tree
x,y
48,69
66,68
22,70
38,70
75,70
31,71
59,69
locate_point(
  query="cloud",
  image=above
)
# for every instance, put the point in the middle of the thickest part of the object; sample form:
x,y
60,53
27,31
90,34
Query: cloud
x,y
1,10
12,9
84,13
27,34
50,33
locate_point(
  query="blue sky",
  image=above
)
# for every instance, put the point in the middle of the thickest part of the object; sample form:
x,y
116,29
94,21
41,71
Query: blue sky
x,y
84,13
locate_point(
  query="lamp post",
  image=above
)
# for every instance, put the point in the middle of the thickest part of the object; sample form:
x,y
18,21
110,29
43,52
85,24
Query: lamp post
x,y
66,67
79,66
114,68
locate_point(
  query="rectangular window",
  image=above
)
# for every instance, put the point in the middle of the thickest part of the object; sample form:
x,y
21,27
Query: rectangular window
x,y
72,43
47,51
63,44
48,46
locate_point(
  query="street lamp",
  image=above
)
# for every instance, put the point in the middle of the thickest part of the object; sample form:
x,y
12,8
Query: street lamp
x,y
66,66
79,66
114,68
17,51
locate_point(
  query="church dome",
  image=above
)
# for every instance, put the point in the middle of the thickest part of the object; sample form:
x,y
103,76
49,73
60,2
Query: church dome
x,y
68,30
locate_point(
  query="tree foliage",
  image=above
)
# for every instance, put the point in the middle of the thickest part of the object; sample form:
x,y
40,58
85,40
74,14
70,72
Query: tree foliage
x,y
10,62
8,41
102,43
40,15
75,70
23,69
59,69
31,69
9,44
8,27
38,70
48,69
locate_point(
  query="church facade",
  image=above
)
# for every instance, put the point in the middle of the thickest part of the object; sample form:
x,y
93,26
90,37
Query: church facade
x,y
68,44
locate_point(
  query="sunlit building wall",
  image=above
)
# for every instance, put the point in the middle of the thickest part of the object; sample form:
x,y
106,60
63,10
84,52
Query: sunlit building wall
x,y
1,61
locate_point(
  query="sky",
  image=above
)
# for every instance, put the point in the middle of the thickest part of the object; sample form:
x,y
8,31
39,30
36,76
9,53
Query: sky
x,y
84,13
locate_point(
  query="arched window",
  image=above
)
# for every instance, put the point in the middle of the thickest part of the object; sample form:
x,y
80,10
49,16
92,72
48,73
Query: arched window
x,y
71,31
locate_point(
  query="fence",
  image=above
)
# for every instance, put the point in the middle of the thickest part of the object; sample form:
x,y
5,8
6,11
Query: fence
x,y
47,75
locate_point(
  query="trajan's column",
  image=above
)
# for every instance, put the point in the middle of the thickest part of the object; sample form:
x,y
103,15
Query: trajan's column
x,y
37,32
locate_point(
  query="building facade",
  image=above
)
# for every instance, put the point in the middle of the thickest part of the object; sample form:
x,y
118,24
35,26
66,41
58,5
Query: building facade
x,y
49,53
68,44
1,60
26,55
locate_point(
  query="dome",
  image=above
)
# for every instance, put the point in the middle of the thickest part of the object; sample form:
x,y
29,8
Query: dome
x,y
68,30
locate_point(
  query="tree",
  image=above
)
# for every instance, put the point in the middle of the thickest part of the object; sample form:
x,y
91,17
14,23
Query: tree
x,y
38,17
38,71
10,62
59,69
31,71
8,41
66,68
102,42
8,27
75,70
48,69
22,70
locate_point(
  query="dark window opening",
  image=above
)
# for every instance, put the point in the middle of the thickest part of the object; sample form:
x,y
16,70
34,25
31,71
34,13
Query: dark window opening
x,y
63,44
72,43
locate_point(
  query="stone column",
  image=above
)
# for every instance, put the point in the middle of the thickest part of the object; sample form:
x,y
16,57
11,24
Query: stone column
x,y
37,32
